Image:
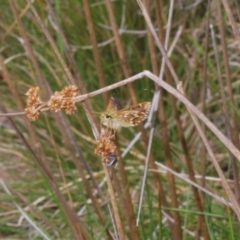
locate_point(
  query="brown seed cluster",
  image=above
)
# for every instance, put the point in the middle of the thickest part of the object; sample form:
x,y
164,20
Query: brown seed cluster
x,y
33,104
106,148
63,100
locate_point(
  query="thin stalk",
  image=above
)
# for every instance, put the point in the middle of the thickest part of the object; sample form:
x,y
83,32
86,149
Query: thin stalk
x,y
96,53
233,133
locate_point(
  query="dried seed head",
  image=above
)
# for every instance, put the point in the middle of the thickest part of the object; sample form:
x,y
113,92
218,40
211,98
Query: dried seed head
x,y
69,106
55,102
33,99
106,149
32,113
34,91
33,104
64,100
70,91
58,101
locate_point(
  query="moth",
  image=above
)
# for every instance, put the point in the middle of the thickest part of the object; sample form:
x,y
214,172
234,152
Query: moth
x,y
115,116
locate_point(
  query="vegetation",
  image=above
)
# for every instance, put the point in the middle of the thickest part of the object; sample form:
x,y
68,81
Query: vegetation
x,y
177,173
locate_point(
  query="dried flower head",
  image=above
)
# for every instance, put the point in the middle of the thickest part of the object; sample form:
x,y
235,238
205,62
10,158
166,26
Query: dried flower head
x,y
33,103
70,91
69,106
55,102
58,101
64,100
106,148
33,98
34,91
32,113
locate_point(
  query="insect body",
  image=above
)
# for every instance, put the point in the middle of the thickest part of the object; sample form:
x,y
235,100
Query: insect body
x,y
126,117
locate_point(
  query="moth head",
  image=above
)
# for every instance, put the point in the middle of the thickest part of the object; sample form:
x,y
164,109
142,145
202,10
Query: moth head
x,y
105,118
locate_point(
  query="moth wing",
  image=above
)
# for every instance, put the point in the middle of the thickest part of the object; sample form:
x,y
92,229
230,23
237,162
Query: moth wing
x,y
113,104
132,117
142,107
